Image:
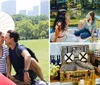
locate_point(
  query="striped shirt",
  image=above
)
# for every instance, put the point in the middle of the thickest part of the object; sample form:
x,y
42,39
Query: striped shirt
x,y
5,53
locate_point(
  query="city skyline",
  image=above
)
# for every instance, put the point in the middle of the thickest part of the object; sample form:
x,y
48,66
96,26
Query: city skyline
x,y
28,4
16,7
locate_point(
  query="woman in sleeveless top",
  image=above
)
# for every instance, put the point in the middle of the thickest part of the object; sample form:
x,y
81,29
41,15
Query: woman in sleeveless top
x,y
59,27
4,56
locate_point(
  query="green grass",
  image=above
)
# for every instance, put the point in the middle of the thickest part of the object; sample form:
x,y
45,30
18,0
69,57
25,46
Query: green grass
x,y
41,50
98,23
74,22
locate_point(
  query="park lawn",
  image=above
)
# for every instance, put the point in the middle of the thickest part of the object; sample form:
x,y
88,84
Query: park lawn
x,y
98,23
41,50
74,22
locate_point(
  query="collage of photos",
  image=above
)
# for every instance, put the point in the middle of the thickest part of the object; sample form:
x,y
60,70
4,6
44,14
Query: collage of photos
x,y
24,33
74,38
49,42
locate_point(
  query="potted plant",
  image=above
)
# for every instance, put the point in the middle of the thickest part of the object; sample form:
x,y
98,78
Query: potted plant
x,y
54,72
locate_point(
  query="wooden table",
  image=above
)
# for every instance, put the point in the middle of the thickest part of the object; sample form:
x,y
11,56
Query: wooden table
x,y
90,82
86,82
5,81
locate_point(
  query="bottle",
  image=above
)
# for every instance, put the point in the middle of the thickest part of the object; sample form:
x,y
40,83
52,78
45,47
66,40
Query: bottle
x,y
91,39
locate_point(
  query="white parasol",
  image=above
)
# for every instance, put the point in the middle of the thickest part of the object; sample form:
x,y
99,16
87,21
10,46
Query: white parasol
x,y
6,22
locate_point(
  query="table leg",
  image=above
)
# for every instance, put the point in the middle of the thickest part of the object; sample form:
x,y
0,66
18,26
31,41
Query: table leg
x,y
92,82
79,83
89,82
86,82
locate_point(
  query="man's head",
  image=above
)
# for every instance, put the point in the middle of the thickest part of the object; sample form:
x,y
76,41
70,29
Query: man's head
x,y
11,37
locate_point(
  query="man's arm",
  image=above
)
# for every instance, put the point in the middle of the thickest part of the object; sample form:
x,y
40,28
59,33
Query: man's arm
x,y
27,61
31,63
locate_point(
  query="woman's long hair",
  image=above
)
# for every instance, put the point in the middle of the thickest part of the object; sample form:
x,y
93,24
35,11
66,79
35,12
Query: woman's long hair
x,y
92,14
60,18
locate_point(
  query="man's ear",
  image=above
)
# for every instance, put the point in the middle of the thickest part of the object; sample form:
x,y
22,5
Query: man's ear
x,y
12,39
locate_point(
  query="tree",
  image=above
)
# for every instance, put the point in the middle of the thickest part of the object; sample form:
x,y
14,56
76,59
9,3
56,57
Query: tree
x,y
34,19
33,27
43,34
35,32
43,17
44,26
19,17
24,29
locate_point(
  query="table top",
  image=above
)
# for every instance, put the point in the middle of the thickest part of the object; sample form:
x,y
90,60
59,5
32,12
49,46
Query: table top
x,y
5,81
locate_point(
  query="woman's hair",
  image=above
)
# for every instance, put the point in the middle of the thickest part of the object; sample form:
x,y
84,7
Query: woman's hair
x,y
92,14
60,18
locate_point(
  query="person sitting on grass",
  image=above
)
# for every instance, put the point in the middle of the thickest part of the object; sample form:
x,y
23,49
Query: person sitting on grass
x,y
61,14
4,56
26,67
60,26
87,29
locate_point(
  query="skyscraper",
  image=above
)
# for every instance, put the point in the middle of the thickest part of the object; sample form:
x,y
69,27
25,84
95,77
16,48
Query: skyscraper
x,y
22,12
30,13
44,7
9,7
35,10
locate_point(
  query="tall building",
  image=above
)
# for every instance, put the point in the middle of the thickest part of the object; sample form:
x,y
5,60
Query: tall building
x,y
44,7
9,7
35,10
22,12
30,13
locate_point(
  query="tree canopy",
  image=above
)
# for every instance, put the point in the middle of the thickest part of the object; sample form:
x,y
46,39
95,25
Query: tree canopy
x,y
31,27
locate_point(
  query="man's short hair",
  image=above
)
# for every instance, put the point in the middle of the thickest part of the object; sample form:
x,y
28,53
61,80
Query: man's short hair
x,y
13,34
0,33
